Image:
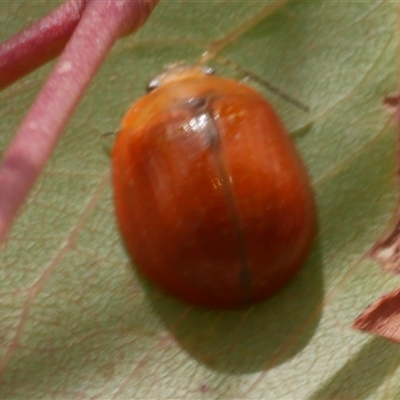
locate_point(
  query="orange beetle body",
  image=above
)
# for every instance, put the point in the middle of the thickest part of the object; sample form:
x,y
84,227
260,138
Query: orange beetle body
x,y
212,199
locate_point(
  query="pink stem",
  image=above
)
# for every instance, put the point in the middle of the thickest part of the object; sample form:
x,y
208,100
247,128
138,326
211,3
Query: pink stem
x,y
101,23
38,44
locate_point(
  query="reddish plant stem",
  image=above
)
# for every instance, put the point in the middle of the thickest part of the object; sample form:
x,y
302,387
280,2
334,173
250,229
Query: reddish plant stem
x,y
101,23
38,44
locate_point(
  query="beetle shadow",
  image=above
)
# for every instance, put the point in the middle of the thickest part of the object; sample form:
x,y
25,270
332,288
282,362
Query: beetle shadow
x,y
251,339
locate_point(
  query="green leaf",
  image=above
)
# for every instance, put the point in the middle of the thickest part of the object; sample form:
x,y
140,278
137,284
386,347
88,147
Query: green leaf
x,y
76,321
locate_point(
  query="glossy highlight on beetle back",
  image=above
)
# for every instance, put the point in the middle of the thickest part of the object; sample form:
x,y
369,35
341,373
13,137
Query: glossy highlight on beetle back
x,y
212,200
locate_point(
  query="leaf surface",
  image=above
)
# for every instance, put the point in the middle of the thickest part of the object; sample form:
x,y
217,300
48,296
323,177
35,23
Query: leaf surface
x,y
76,321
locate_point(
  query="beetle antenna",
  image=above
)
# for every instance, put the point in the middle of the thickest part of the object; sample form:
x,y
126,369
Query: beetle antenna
x,y
109,133
271,87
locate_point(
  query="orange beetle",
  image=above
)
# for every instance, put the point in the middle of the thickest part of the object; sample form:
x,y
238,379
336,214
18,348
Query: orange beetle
x,y
211,197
